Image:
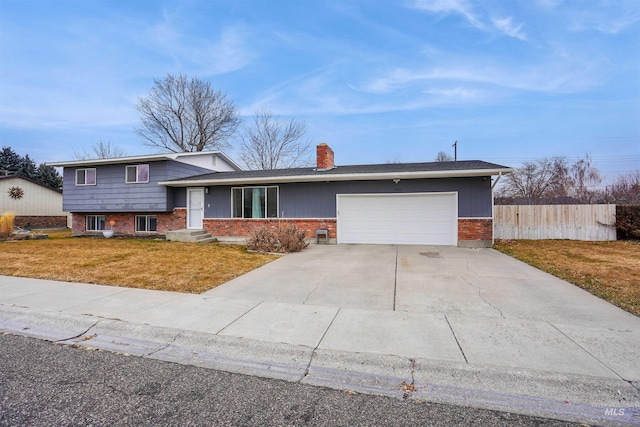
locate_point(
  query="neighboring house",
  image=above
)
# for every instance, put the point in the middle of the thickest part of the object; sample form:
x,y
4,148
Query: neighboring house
x,y
126,190
34,204
437,203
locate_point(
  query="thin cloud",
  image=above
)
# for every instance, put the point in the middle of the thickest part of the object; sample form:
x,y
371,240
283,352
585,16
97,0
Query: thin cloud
x,y
559,77
229,52
611,27
605,17
445,7
508,28
464,9
549,4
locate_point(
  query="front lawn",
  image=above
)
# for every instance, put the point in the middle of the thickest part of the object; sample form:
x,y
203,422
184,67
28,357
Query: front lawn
x,y
136,263
609,270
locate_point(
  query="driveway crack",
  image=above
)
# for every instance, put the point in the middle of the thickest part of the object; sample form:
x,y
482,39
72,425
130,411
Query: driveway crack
x,y
80,334
164,346
483,298
239,317
395,281
313,353
313,290
590,354
456,338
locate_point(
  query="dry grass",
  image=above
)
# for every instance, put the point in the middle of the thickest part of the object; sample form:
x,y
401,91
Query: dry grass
x,y
6,223
609,270
136,263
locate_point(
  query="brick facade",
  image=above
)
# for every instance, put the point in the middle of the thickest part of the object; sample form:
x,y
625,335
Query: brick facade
x,y
239,227
469,229
40,221
125,223
475,229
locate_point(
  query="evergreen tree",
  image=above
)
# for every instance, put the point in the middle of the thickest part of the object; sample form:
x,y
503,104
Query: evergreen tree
x,y
9,161
49,176
27,168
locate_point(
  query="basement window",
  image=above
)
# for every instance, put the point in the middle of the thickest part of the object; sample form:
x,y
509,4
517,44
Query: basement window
x,y
254,202
95,222
146,223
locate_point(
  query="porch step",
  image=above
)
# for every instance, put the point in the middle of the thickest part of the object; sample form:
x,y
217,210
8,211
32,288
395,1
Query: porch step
x,y
193,236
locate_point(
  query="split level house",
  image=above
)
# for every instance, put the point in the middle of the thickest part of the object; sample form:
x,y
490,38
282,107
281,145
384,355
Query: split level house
x,y
435,203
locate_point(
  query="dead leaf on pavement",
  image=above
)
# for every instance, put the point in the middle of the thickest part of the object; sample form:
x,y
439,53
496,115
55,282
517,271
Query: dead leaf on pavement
x,y
407,387
87,338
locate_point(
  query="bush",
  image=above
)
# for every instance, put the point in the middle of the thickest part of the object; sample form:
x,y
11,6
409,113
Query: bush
x,y
262,239
628,222
6,224
292,239
286,239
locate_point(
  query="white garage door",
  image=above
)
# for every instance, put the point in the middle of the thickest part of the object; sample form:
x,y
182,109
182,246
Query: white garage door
x,y
411,219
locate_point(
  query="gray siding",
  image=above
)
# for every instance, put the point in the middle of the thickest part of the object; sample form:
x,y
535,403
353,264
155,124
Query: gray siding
x,y
318,199
112,194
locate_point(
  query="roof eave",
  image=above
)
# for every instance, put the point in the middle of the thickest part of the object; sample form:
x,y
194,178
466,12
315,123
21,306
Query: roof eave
x,y
145,158
337,177
112,161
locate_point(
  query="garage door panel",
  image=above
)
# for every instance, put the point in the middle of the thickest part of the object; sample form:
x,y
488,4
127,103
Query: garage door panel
x,y
429,219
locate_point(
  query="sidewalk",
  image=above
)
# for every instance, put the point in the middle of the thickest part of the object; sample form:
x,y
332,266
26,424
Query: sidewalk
x,y
520,365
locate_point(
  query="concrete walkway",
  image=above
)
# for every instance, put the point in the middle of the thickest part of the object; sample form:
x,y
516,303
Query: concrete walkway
x,y
464,326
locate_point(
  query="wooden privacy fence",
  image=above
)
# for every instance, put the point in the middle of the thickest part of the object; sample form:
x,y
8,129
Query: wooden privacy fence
x,y
574,222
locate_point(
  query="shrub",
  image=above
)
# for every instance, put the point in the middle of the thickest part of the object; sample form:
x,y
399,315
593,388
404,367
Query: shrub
x,y
628,222
292,239
262,239
286,239
6,224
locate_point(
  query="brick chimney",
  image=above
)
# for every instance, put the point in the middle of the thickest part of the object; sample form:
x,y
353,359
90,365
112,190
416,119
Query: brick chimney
x,y
324,159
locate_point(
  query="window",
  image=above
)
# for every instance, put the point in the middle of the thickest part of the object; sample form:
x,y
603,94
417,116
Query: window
x,y
85,177
254,202
137,174
95,222
146,223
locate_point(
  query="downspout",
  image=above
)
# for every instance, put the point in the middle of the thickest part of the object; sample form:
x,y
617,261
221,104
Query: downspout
x,y
493,210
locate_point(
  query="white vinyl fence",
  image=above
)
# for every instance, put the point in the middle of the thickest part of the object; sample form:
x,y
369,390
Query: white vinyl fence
x,y
573,222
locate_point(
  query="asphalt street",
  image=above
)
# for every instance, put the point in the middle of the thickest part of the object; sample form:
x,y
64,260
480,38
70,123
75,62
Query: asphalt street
x,y
44,384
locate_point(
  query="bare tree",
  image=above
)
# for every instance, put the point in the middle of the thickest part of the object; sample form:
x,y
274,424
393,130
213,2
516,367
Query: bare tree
x,y
273,143
583,177
100,150
625,190
553,178
443,157
183,114
534,179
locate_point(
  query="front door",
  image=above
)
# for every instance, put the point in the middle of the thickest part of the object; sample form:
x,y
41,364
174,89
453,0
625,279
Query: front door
x,y
195,207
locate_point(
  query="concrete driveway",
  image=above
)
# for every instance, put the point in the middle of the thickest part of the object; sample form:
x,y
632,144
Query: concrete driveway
x,y
420,279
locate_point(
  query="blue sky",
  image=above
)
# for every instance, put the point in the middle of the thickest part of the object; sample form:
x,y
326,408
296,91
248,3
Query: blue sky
x,y
378,81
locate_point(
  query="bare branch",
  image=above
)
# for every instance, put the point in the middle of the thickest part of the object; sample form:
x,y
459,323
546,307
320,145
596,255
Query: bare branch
x,y
186,115
555,177
273,143
101,150
443,157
